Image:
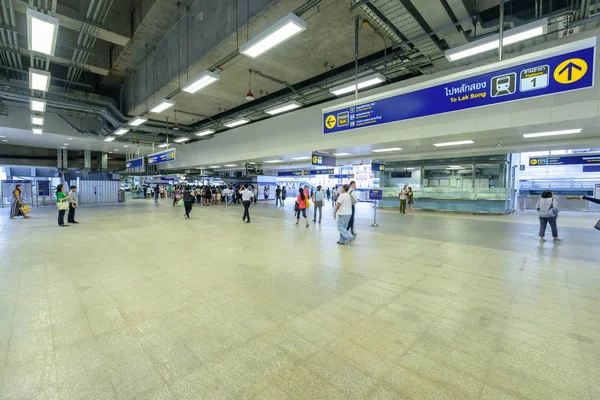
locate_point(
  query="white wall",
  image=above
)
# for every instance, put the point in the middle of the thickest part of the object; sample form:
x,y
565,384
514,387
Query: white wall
x,y
301,131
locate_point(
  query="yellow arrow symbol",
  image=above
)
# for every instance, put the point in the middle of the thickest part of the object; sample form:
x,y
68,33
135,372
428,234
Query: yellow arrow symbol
x,y
330,122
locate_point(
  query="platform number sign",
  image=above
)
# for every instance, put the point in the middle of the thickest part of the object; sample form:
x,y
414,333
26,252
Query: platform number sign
x,y
535,78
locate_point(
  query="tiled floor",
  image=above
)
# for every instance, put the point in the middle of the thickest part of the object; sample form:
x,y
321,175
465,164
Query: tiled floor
x,y
138,303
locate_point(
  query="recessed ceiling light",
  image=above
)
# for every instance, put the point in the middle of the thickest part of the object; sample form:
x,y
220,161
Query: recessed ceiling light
x,y
271,161
181,139
35,120
137,121
125,145
36,130
552,133
231,165
201,81
42,30
237,122
386,150
292,105
110,139
163,145
301,158
63,147
214,166
65,144
116,149
454,166
38,105
162,106
121,131
363,83
69,138
342,154
4,140
284,29
2,137
39,80
205,132
454,143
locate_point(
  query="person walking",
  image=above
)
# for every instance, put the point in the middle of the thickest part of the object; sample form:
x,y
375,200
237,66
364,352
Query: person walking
x,y
61,204
73,204
410,198
342,213
547,208
334,196
402,196
247,196
283,196
188,200
175,196
301,206
354,198
255,193
17,203
328,192
266,193
318,200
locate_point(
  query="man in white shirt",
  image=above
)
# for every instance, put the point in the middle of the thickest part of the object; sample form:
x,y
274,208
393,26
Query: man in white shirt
x,y
227,195
247,197
342,213
403,194
73,203
354,197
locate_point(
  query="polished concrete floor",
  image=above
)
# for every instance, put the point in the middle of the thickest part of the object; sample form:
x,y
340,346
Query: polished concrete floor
x,y
138,303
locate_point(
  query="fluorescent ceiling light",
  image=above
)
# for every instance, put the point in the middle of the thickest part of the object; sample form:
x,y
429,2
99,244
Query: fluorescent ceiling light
x,y
63,147
301,158
292,105
181,139
42,30
110,139
125,145
137,121
231,165
35,120
200,81
364,82
271,161
553,133
214,166
342,154
39,80
163,145
454,143
454,166
37,131
116,149
65,144
69,138
386,150
121,131
511,36
38,105
237,122
162,106
284,29
205,132
4,140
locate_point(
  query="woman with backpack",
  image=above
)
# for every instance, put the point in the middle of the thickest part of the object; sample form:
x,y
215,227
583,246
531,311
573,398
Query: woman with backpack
x,y
301,205
547,208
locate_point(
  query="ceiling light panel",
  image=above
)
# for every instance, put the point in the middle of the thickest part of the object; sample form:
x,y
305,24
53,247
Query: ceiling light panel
x,y
121,131
162,106
110,139
42,30
200,82
38,105
454,143
163,145
365,82
552,133
237,122
37,120
39,80
231,165
271,161
283,30
292,105
301,158
181,139
137,121
37,131
386,150
205,132
342,154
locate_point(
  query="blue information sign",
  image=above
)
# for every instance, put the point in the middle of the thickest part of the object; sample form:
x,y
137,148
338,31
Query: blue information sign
x,y
561,73
377,167
161,157
341,176
135,163
43,188
591,168
325,161
375,194
322,172
291,173
564,160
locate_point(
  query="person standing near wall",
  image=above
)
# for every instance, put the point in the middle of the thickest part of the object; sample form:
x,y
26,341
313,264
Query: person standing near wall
x,y
318,198
342,213
247,196
354,198
403,194
73,204
547,208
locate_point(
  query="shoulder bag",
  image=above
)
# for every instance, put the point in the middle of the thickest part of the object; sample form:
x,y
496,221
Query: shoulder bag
x,y
62,205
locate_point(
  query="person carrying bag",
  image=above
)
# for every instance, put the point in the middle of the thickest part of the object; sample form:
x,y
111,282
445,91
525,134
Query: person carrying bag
x,y
547,208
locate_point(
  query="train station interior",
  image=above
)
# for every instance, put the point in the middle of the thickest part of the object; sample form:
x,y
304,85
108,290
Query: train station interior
x,y
299,199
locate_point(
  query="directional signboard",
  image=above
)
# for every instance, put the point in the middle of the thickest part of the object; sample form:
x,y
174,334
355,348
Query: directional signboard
x,y
161,157
325,161
377,167
570,67
564,160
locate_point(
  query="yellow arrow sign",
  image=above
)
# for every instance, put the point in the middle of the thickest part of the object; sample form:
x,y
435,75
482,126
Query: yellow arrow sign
x,y
570,71
330,122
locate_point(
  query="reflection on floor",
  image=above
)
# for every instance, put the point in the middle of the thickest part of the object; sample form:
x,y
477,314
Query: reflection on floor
x,y
139,303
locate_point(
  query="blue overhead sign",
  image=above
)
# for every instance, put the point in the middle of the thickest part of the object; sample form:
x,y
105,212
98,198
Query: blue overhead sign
x,y
135,163
161,157
341,176
322,172
325,161
564,160
561,73
291,173
43,188
377,167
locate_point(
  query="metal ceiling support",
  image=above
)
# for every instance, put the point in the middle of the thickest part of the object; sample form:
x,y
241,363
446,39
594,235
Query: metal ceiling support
x,y
423,24
360,3
442,29
501,45
52,78
284,83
